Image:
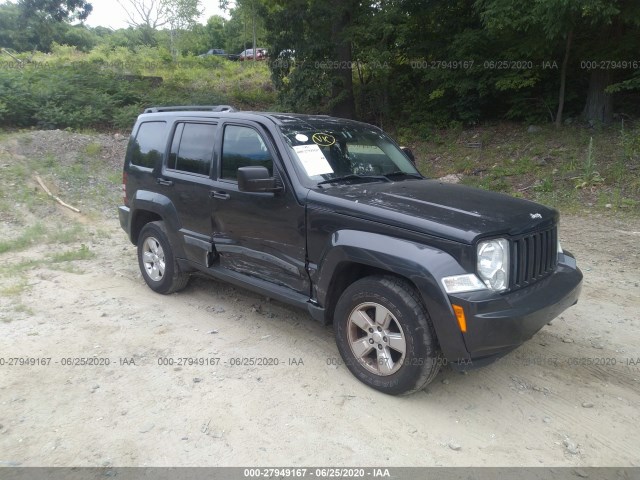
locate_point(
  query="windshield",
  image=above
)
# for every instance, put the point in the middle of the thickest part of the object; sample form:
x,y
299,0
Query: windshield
x,y
354,151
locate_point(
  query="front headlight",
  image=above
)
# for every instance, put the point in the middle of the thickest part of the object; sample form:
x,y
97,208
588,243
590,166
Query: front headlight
x,y
493,263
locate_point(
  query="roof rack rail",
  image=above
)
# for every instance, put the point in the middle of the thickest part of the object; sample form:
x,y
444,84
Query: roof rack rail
x,y
205,108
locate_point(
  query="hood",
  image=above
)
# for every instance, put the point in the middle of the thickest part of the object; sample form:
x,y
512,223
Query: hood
x,y
454,212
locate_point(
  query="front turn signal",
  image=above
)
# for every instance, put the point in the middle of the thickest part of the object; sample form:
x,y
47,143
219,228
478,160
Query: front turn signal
x,y
462,321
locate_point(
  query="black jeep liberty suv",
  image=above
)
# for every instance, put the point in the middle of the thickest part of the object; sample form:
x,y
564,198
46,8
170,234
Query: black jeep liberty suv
x,y
332,216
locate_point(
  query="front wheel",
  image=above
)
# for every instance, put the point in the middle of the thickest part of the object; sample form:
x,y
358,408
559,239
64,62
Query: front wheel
x,y
157,263
385,336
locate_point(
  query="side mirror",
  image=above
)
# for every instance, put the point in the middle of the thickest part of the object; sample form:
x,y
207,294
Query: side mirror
x,y
256,180
407,151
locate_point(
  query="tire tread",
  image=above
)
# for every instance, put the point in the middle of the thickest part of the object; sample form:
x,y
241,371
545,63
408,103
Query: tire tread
x,y
423,332
404,289
179,279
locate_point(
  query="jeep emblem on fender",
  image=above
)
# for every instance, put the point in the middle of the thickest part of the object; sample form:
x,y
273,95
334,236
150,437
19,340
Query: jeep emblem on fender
x,y
535,215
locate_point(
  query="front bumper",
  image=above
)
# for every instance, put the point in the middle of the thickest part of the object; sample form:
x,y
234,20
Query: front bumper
x,y
498,323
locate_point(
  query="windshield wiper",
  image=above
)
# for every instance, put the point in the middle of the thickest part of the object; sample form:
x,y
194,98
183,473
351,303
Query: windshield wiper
x,y
353,176
399,173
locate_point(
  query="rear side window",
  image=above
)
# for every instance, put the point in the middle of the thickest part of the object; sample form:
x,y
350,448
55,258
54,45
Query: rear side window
x,y
192,148
149,144
243,147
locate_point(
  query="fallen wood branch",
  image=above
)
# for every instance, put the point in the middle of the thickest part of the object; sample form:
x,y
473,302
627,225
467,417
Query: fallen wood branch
x,y
57,199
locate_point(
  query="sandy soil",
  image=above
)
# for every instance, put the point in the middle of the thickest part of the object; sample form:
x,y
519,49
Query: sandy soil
x,y
569,397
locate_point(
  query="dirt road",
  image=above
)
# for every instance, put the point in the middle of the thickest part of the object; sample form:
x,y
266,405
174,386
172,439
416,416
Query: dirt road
x,y
569,397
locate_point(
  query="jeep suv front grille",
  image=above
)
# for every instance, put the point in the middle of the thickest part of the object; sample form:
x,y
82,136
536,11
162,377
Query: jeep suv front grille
x,y
533,256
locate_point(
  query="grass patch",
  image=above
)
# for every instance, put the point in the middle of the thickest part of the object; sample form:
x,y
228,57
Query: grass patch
x,y
589,177
545,167
115,178
16,307
83,253
82,179
17,272
67,235
49,161
30,236
93,149
39,233
15,289
14,270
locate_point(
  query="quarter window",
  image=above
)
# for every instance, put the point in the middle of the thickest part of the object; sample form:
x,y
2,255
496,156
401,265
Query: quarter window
x,y
149,144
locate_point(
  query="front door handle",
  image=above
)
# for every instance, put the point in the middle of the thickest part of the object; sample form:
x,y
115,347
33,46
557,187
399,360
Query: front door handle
x,y
220,195
166,183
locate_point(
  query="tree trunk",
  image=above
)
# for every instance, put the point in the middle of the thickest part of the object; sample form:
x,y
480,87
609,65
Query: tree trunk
x,y
343,103
253,26
172,43
599,106
244,37
563,80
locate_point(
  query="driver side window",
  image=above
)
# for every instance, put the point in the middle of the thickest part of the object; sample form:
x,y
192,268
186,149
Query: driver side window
x,y
243,147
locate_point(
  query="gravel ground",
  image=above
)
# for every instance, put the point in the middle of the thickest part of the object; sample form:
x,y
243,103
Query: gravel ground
x,y
568,397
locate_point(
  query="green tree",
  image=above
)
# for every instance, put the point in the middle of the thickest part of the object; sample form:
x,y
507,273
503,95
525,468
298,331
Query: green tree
x,y
214,32
435,52
78,36
56,10
246,28
344,16
31,25
319,36
130,37
581,29
181,15
150,15
9,16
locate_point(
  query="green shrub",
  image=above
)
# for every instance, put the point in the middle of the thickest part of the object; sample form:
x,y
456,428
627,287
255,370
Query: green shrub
x,y
109,87
124,117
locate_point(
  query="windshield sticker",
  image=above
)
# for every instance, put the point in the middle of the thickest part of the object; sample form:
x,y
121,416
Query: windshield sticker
x,y
323,139
302,138
313,160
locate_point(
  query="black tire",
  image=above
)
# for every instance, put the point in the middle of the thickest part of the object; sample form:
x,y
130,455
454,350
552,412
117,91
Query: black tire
x,y
159,268
400,315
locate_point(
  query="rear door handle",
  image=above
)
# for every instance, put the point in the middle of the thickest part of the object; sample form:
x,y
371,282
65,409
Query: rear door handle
x,y
220,195
166,183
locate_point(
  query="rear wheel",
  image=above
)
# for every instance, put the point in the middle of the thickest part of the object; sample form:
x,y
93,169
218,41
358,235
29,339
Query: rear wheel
x,y
385,336
157,263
